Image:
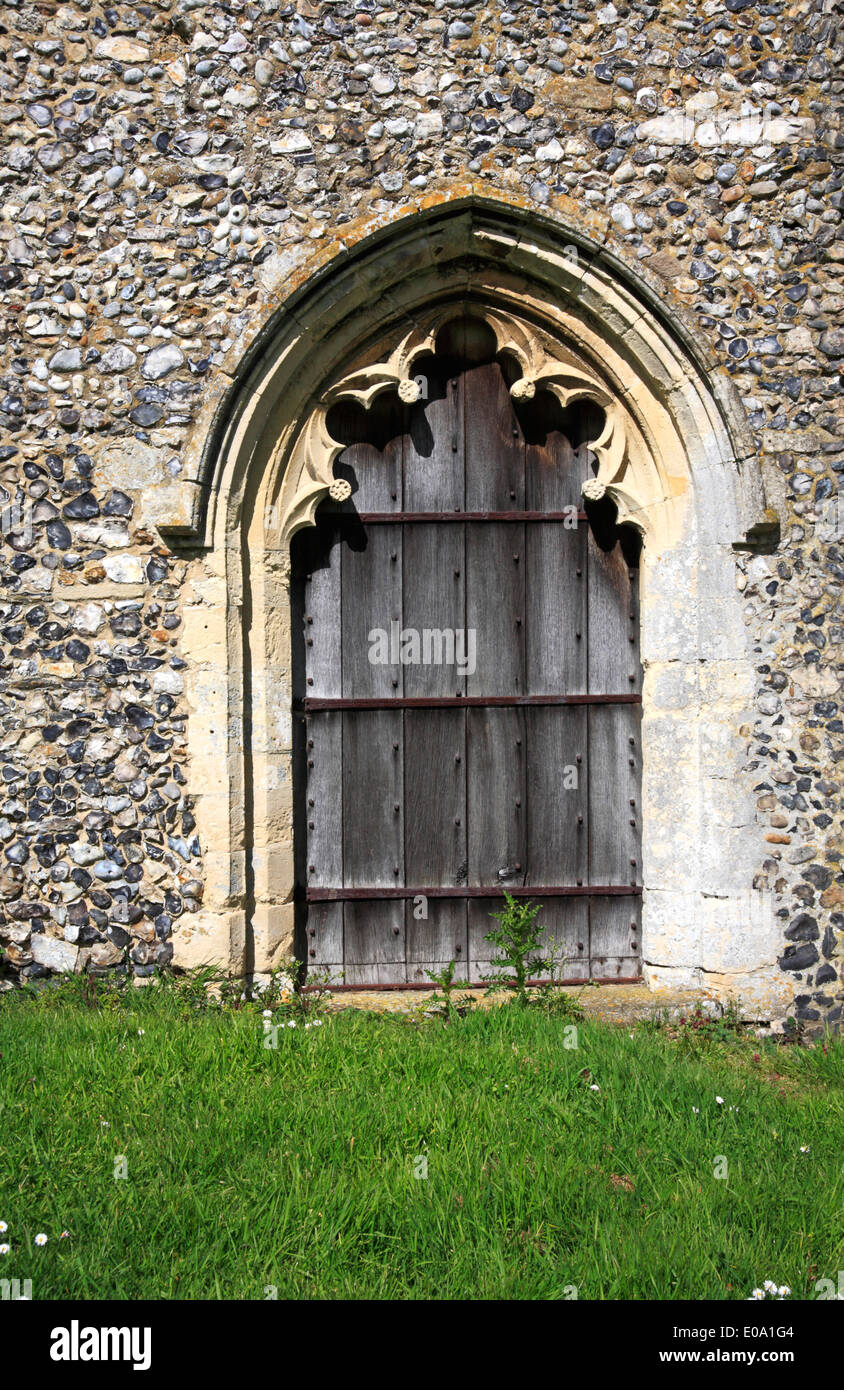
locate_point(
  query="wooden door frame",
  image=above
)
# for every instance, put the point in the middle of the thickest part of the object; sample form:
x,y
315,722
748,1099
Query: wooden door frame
x,y
676,458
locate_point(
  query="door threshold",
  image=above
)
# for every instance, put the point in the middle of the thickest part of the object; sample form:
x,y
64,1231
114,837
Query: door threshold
x,y
432,986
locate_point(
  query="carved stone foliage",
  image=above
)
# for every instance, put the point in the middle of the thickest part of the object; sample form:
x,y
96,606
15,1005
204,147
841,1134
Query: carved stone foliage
x,y
545,365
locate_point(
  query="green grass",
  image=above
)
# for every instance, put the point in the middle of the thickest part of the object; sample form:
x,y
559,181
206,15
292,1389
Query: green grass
x,y
294,1168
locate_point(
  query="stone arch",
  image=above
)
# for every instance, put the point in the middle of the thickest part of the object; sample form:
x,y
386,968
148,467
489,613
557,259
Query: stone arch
x,y
676,457
538,266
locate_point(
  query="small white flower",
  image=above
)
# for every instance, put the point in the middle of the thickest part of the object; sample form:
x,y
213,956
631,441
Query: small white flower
x,y
594,1088
291,1023
141,1032
317,1022
783,1291
268,1013
719,1100
3,1228
4,1249
804,1148
307,1025
757,1294
41,1239
64,1235
104,1124
769,1286
695,1110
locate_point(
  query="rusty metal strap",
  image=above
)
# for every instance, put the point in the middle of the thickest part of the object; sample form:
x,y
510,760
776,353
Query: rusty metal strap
x,y
336,895
313,704
385,518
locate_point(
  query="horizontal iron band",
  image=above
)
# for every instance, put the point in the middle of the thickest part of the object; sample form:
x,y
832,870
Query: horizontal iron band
x,y
313,704
336,895
384,518
580,980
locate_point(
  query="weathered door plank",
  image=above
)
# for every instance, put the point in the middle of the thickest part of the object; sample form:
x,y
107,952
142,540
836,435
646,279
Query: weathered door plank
x,y
613,766
495,606
373,830
557,816
495,447
435,797
371,600
374,942
496,796
556,638
434,474
434,941
434,607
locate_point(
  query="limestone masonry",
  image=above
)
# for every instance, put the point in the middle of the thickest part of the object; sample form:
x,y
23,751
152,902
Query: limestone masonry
x,y
175,175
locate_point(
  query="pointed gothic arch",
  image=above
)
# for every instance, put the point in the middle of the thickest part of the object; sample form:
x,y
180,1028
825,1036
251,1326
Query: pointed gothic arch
x,y
674,455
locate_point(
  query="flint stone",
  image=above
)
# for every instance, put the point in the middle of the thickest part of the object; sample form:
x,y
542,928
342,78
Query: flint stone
x,y
191,142
118,359
168,682
66,360
19,159
52,953
82,853
39,114
122,50
88,619
832,343
104,953
244,96
124,569
133,466
58,535
161,360
428,126
799,959
108,870
19,252
294,143
52,157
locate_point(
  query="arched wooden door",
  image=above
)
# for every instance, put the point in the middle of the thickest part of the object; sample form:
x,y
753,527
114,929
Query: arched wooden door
x,y
423,787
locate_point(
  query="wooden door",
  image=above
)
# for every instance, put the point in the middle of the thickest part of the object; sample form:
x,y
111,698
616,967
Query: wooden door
x,y
425,787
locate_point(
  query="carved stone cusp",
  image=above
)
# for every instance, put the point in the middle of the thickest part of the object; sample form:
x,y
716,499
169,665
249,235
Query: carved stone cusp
x,y
543,365
593,490
523,389
409,391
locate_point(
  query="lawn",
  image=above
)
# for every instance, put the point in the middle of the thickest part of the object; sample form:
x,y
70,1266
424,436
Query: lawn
x,y
492,1156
